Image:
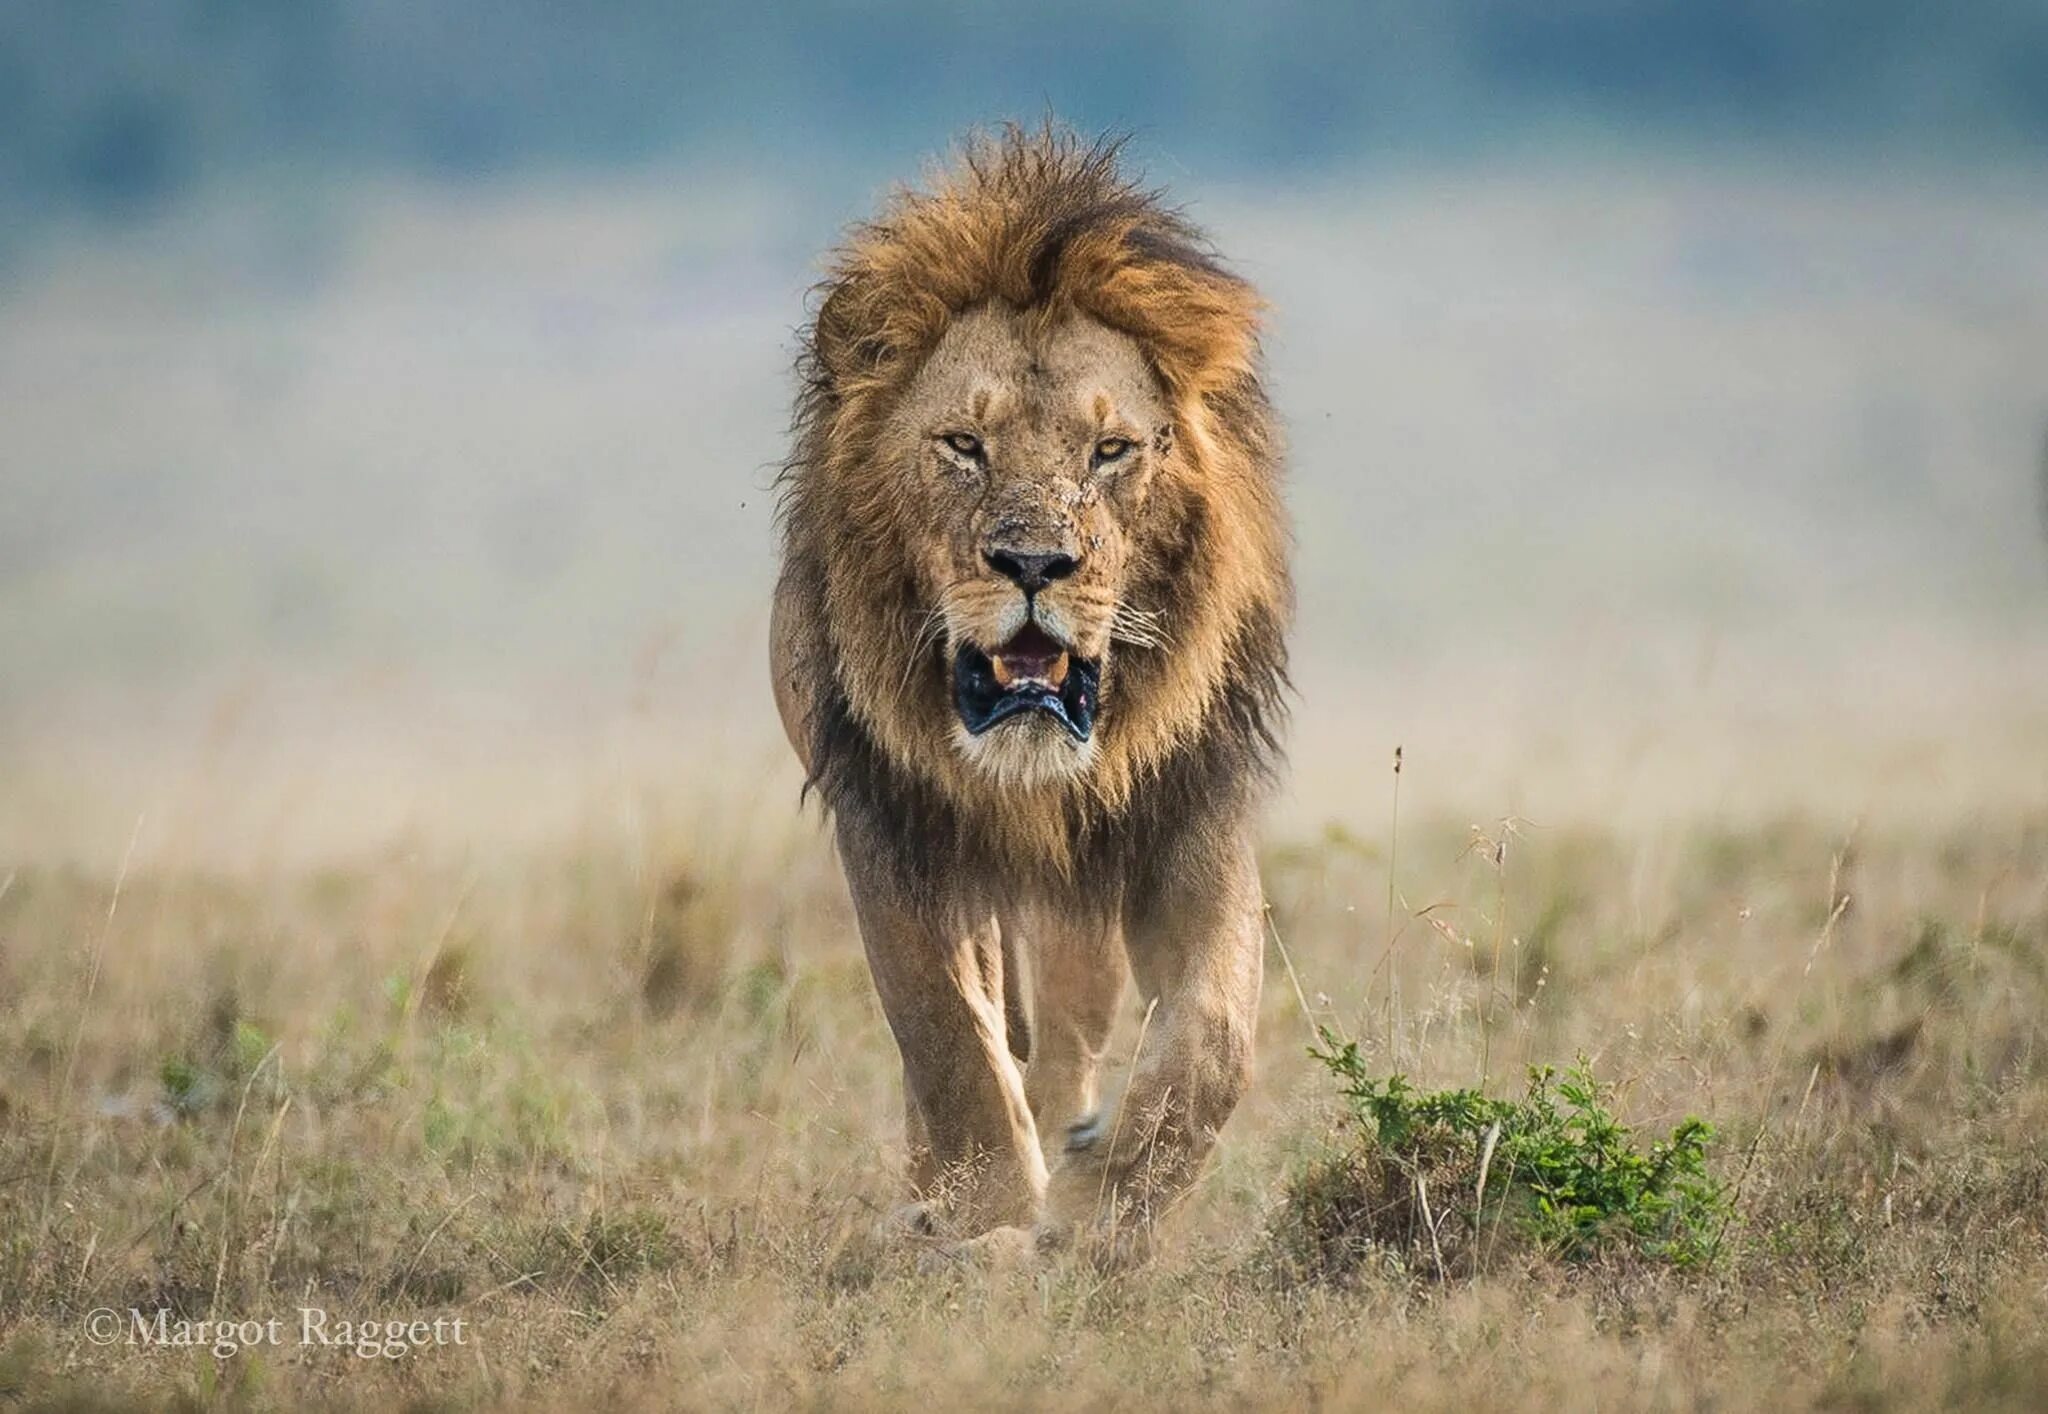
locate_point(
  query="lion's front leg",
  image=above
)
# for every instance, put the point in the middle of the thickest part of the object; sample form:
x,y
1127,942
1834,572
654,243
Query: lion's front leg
x,y
1077,966
1196,948
938,970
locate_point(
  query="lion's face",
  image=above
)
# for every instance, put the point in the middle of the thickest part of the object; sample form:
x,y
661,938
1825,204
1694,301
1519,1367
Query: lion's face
x,y
1026,447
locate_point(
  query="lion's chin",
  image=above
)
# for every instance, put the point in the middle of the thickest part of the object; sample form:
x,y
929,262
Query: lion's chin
x,y
1025,751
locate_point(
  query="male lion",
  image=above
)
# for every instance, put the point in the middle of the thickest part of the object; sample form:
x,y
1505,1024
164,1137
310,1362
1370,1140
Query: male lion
x,y
1028,642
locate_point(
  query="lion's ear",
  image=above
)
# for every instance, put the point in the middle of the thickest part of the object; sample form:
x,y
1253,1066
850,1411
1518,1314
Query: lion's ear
x,y
1199,322
832,334
848,344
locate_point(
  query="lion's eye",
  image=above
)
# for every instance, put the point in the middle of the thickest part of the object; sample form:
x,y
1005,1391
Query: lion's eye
x,y
965,443
1111,449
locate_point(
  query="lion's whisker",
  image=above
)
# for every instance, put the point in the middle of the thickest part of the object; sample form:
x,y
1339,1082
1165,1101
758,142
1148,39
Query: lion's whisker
x,y
1141,628
929,631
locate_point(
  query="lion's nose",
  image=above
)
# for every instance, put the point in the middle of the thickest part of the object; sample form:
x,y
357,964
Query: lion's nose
x,y
1031,570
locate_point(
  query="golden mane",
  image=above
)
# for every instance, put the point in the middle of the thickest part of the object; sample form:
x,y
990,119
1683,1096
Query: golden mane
x,y
1037,220
1045,223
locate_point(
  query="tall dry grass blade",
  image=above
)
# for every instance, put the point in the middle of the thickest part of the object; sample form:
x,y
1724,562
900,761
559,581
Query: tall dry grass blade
x,y
405,1277
92,982
234,1216
1387,958
1429,1225
1838,904
1109,1155
1485,1163
1294,977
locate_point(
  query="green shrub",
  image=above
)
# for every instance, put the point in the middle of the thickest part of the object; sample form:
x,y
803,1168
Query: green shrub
x,y
1440,1179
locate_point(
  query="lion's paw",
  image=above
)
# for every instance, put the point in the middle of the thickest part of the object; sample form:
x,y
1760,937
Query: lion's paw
x,y
907,1220
1106,1246
1002,1249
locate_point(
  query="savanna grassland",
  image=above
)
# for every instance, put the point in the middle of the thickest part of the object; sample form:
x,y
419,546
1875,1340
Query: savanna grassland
x,y
630,1110
407,911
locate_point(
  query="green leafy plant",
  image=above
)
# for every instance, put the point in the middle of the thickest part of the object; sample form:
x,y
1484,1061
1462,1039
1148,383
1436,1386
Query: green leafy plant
x,y
1444,1177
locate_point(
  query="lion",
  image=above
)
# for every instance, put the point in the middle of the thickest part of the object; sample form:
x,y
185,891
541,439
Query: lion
x,y
1029,645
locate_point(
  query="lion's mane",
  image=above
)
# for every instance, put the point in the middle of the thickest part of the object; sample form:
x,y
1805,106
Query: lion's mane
x,y
1046,223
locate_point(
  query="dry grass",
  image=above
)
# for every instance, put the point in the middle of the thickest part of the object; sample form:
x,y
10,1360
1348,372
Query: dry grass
x,y
1621,495
632,1112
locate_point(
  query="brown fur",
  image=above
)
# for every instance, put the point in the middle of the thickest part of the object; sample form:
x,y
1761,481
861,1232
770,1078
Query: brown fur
x,y
1035,273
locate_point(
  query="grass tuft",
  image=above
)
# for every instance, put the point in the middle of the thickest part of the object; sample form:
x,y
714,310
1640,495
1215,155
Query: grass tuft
x,y
1435,1180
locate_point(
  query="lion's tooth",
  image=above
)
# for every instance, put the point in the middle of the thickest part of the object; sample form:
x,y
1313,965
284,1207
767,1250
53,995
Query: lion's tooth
x,y
1002,670
1057,673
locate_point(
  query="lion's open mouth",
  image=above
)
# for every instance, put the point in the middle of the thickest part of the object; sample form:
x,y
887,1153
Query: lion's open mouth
x,y
1033,672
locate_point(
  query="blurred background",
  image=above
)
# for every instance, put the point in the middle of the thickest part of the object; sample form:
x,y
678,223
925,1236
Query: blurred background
x,y
390,394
